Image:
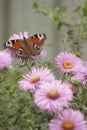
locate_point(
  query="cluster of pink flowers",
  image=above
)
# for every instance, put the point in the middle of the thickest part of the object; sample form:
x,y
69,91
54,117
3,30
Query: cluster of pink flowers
x,y
51,94
70,63
55,96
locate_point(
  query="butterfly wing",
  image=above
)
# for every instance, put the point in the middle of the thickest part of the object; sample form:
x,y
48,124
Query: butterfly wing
x,y
34,43
38,39
18,46
13,44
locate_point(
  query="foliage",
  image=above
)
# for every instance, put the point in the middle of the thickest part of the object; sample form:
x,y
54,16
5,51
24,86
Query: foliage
x,y
17,110
72,27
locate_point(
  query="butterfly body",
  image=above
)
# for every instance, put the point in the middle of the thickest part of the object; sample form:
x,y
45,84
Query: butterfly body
x,y
27,47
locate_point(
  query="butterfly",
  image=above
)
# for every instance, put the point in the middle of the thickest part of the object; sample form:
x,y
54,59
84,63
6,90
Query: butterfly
x,y
27,47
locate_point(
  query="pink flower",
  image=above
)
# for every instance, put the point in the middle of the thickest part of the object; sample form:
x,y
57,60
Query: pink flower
x,y
68,119
72,88
33,79
81,76
67,62
42,54
53,96
20,36
5,59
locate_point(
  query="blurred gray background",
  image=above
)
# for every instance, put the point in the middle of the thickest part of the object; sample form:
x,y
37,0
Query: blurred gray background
x,y
19,16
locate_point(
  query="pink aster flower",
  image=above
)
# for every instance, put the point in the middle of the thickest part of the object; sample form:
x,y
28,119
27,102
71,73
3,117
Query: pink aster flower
x,y
67,62
19,36
68,119
5,59
33,79
42,54
80,75
53,96
72,88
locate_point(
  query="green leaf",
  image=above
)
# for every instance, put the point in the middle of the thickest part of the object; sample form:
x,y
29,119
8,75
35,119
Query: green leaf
x,y
35,4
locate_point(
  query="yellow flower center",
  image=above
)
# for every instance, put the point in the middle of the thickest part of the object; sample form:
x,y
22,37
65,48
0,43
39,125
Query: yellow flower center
x,y
34,79
53,94
68,125
67,64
